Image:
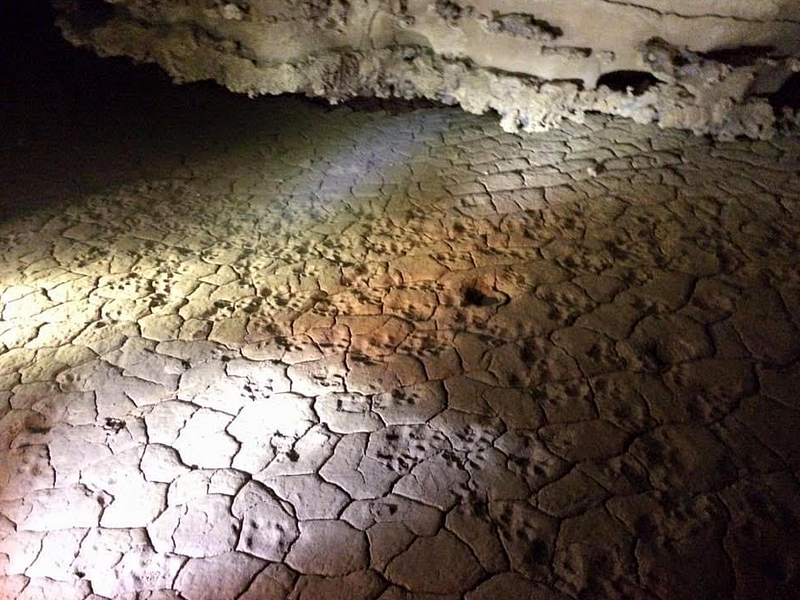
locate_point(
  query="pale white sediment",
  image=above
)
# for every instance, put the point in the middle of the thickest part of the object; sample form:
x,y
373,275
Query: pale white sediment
x,y
709,67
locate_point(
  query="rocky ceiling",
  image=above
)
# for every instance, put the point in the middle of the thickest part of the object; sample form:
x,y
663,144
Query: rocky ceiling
x,y
712,66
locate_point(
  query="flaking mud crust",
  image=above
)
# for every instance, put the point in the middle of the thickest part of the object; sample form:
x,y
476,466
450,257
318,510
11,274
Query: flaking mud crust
x,y
355,355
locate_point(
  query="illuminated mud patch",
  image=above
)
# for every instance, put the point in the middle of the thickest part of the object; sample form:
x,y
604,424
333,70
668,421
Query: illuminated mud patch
x,y
354,355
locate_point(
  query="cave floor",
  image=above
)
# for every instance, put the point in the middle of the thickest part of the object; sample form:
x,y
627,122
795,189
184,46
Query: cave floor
x,y
334,354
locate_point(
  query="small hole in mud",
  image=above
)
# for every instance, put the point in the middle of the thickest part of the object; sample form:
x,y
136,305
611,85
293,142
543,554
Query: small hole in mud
x,y
621,81
38,430
645,528
475,297
539,553
113,424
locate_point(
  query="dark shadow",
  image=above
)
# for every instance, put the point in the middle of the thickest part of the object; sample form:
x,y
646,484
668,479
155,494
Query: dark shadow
x,y
74,124
739,56
392,106
621,81
788,96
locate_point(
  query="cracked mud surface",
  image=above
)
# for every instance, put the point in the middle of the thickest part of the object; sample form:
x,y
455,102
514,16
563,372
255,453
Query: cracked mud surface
x,y
336,354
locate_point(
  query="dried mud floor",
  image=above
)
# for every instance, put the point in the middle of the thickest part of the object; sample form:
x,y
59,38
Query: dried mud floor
x,y
294,352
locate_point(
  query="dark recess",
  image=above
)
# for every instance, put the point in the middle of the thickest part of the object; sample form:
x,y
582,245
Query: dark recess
x,y
788,95
52,88
392,106
620,81
72,123
579,83
740,56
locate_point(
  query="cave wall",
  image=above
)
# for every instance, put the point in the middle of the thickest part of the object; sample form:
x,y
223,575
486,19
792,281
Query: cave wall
x,y
705,65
